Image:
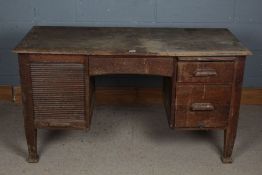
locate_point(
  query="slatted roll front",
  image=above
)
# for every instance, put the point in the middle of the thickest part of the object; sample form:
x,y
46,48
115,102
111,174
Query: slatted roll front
x,y
58,91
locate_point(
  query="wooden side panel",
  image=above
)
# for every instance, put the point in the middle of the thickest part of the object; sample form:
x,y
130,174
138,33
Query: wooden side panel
x,y
205,72
126,65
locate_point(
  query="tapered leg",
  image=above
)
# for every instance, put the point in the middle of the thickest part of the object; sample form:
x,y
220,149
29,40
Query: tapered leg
x,y
31,137
229,140
231,130
30,130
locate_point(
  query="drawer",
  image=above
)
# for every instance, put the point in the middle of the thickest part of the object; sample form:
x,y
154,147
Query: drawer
x,y
120,65
205,72
202,106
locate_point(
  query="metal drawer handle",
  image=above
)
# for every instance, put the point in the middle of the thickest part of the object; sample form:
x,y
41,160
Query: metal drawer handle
x,y
202,107
205,72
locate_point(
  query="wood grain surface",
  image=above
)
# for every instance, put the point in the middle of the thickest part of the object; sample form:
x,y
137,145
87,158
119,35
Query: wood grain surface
x,y
131,41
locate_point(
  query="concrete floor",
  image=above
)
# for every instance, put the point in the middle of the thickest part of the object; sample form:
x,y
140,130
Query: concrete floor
x,y
130,141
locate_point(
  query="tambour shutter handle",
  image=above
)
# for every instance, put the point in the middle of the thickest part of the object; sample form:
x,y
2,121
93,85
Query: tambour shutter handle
x,y
59,124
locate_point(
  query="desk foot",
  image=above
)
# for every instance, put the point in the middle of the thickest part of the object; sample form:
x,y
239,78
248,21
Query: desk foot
x,y
227,160
32,159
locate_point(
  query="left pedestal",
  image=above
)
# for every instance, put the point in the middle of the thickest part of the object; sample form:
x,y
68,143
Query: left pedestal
x,y
57,93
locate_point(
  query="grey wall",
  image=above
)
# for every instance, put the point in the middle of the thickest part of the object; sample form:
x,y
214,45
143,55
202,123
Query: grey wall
x,y
243,17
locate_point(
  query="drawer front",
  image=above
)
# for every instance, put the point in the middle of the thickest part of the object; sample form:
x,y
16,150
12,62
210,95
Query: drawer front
x,y
202,106
119,65
205,72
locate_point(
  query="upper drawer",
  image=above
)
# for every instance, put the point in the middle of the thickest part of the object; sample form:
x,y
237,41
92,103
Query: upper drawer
x,y
125,65
205,72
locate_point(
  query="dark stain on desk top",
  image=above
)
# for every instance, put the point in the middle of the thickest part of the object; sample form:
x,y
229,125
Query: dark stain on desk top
x,y
131,41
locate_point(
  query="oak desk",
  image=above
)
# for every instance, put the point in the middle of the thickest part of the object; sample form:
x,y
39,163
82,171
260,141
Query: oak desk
x,y
202,70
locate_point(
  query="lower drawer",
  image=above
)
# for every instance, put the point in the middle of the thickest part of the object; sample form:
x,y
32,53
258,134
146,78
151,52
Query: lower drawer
x,y
216,118
202,106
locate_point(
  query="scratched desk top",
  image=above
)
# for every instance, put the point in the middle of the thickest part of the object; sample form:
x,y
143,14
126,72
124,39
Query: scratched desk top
x,y
131,41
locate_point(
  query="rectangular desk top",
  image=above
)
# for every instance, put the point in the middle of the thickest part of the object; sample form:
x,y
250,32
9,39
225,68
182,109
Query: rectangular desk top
x,y
131,41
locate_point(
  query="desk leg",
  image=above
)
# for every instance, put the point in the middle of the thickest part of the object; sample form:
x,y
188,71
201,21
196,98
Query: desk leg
x,y
30,130
229,140
31,137
169,95
231,130
230,136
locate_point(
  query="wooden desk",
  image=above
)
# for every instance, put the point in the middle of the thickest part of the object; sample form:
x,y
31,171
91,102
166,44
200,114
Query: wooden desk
x,y
202,70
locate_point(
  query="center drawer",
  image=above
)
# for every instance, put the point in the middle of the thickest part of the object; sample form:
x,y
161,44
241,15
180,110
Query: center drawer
x,y
162,66
205,72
